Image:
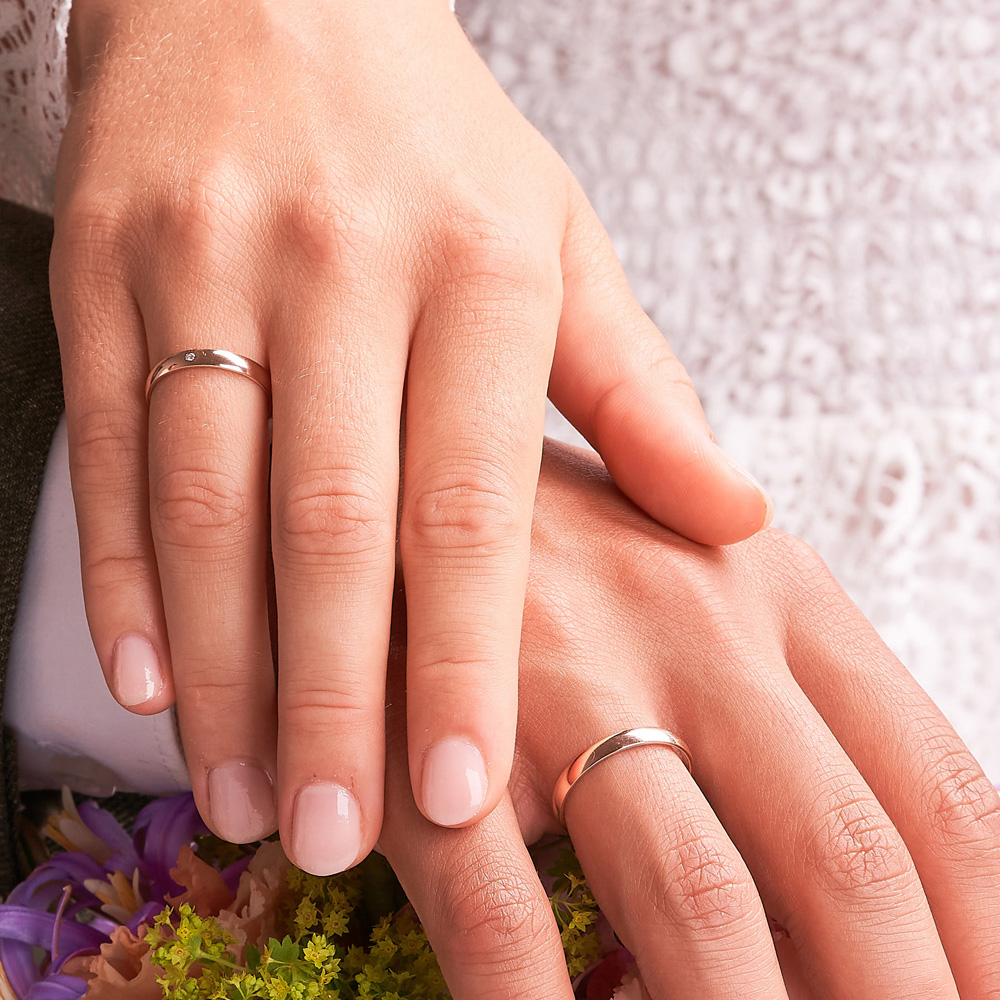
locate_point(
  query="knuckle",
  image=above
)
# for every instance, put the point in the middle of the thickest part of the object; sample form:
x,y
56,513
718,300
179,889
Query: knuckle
x,y
208,691
652,364
206,215
802,580
799,553
310,705
858,856
103,439
89,239
108,568
962,805
696,591
501,256
802,563
491,905
326,228
191,505
464,513
334,514
703,887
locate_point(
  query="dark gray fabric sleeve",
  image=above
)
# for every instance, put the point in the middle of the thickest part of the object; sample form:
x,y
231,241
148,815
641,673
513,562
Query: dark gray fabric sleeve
x,y
31,400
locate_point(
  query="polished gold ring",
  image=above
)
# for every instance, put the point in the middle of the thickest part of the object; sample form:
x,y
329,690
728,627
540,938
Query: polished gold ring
x,y
605,748
227,360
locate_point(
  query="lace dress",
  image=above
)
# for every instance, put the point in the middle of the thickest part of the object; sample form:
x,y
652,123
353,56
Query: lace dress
x,y
806,197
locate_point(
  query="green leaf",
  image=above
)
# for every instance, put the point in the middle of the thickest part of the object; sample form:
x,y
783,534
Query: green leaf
x,y
285,951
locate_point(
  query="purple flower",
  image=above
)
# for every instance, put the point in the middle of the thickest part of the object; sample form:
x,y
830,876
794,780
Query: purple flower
x,y
105,876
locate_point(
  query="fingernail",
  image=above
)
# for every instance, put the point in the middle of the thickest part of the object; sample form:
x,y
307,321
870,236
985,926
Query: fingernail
x,y
769,506
326,829
454,782
241,800
136,671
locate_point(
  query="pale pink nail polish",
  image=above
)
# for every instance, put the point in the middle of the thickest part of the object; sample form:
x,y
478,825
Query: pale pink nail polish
x,y
326,829
136,671
241,801
454,782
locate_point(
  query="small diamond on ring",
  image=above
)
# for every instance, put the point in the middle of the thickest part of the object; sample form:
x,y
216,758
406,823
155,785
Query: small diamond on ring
x,y
190,356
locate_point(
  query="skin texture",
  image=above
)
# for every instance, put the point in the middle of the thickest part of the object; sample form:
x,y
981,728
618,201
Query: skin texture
x,y
341,192
827,789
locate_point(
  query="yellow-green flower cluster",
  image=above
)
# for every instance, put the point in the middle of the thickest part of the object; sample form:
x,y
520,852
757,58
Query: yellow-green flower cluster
x,y
324,955
576,912
335,947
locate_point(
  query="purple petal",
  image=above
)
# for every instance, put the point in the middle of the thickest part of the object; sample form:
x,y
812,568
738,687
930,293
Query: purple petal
x,y
144,915
22,927
38,896
57,987
105,826
45,883
104,924
18,965
162,828
58,966
22,923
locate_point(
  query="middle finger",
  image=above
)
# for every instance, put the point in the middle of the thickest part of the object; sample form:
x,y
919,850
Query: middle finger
x,y
829,863
334,486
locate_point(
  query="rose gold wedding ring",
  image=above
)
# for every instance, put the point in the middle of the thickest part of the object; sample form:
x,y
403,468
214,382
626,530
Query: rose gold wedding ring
x,y
604,749
226,360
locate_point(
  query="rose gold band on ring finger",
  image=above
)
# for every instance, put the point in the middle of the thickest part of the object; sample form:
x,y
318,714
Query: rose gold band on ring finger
x,y
605,748
210,358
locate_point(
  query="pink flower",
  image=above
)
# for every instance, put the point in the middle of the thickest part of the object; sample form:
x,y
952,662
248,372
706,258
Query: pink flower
x,y
631,989
203,886
122,971
252,917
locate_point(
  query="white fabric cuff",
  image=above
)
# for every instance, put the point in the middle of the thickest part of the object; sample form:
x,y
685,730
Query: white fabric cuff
x,y
69,728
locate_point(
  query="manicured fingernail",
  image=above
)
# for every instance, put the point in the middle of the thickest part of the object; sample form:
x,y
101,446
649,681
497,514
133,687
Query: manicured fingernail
x,y
136,671
326,829
769,506
241,800
454,782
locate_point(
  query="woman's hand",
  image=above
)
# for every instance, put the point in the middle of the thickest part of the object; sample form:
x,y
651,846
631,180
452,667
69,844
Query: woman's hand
x,y
342,192
827,789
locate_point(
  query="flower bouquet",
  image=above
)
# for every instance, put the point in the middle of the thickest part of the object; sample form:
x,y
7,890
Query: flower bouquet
x,y
171,911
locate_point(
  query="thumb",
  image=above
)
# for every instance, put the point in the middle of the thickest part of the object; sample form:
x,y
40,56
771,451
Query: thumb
x,y
615,378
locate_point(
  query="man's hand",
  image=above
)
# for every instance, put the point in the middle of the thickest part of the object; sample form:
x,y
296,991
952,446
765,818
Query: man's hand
x,y
827,789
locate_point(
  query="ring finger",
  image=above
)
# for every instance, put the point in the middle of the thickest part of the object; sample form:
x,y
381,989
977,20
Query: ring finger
x,y
927,780
208,467
669,879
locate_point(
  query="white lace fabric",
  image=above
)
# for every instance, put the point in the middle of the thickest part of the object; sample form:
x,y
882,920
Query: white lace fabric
x,y
805,196
33,98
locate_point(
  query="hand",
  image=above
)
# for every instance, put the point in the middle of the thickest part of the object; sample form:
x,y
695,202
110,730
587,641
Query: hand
x,y
827,788
341,192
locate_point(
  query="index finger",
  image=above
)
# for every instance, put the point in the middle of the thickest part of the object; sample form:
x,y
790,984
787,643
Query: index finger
x,y
480,900
475,889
